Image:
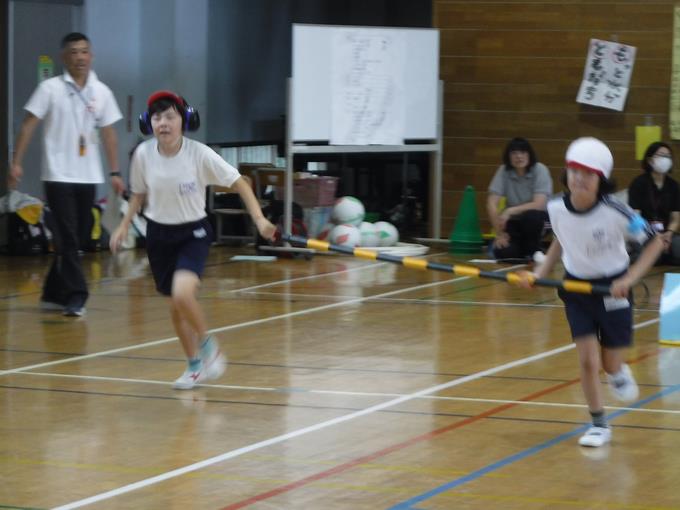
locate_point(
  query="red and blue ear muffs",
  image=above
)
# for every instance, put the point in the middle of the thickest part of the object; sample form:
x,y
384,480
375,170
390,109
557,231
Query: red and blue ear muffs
x,y
192,120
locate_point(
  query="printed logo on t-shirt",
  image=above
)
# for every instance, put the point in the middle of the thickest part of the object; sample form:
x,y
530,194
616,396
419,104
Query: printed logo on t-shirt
x,y
200,233
186,188
600,243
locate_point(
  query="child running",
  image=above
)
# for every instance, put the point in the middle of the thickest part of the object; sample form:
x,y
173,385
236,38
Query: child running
x,y
168,175
591,229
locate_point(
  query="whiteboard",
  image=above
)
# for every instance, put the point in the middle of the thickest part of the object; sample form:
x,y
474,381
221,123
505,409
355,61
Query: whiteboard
x,y
311,86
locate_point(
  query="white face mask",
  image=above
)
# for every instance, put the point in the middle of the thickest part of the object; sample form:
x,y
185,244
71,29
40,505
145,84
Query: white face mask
x,y
662,164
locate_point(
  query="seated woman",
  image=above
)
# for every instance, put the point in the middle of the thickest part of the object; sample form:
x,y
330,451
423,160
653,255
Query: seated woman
x,y
526,185
656,196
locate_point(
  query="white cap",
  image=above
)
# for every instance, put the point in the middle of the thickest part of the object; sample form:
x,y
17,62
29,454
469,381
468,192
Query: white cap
x,y
590,154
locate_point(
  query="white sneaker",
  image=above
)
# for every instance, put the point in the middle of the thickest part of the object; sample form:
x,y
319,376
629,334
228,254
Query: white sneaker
x,y
214,361
595,437
74,311
623,385
189,378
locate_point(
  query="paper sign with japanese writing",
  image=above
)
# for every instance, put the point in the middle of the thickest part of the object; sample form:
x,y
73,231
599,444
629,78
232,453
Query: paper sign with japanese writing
x,y
674,114
606,77
367,90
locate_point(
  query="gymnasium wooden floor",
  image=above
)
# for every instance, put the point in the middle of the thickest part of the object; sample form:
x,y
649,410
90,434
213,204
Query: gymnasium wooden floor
x,y
351,385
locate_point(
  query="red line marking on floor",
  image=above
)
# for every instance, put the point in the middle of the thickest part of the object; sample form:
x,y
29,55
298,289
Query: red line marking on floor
x,y
404,444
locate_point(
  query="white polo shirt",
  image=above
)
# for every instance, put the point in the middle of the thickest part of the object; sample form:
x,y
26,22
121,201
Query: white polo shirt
x,y
67,113
175,186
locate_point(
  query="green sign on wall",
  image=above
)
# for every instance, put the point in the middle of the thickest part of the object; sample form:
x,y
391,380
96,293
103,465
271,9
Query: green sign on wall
x,y
45,68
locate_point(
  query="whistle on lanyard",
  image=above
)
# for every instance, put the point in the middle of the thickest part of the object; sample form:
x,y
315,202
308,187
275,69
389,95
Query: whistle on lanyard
x,y
81,145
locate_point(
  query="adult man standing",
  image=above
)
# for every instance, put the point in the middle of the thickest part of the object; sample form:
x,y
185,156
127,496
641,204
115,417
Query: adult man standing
x,y
76,108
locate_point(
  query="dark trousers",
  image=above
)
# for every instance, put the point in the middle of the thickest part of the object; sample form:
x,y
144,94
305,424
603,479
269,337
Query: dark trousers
x,y
525,231
71,207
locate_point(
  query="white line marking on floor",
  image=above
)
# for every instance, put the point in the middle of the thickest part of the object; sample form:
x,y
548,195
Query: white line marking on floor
x,y
255,322
372,265
310,277
313,428
427,301
363,394
306,430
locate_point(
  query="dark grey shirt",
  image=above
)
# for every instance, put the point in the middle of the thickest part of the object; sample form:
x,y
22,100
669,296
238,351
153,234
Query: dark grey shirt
x,y
520,190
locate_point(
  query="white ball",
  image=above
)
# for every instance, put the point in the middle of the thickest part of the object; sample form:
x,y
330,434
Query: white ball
x,y
388,235
348,210
539,257
324,233
369,236
345,235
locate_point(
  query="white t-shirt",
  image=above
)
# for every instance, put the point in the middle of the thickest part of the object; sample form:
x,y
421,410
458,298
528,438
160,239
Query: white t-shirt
x,y
594,241
175,186
69,112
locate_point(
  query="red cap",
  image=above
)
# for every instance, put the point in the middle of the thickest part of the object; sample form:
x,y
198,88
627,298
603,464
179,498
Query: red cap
x,y
165,94
590,154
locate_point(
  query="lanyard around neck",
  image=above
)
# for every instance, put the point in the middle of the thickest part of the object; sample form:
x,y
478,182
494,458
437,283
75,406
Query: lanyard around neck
x,y
80,127
87,108
79,92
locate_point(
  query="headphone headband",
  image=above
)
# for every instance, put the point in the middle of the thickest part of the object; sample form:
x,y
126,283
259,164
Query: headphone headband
x,y
166,94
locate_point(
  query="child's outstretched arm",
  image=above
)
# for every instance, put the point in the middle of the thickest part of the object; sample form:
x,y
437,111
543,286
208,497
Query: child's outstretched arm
x,y
551,257
264,226
134,205
651,252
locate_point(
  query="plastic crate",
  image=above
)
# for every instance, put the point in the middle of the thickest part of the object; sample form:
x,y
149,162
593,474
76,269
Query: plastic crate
x,y
316,218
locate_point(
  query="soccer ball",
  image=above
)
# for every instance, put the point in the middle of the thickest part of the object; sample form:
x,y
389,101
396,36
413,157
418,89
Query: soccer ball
x,y
324,233
369,236
348,210
345,235
388,235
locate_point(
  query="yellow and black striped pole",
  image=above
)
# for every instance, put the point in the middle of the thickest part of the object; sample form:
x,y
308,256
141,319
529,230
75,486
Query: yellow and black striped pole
x,y
457,269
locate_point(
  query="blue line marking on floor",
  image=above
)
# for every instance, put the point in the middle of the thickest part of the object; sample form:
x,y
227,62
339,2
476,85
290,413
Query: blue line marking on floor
x,y
408,504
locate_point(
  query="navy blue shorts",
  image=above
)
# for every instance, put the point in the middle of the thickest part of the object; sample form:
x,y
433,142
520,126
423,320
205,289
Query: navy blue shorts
x,y
174,247
610,319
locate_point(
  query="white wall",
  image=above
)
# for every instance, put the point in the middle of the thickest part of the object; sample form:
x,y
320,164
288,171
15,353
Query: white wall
x,y
230,55
191,56
141,47
36,29
113,26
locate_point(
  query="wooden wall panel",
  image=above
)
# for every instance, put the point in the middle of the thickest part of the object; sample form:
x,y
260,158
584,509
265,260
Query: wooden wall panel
x,y
566,126
563,71
513,68
542,43
489,151
540,97
457,177
4,97
554,15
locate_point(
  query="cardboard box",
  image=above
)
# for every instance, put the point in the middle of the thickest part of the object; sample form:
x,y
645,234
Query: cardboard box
x,y
312,191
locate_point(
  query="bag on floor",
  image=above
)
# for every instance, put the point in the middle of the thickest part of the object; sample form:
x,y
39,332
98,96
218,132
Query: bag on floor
x,y
98,238
24,238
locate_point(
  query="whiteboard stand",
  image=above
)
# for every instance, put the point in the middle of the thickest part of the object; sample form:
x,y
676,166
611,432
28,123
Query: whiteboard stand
x,y
435,147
